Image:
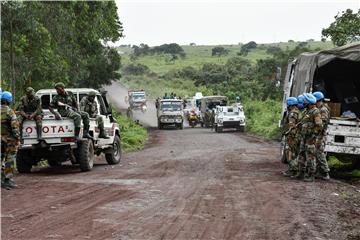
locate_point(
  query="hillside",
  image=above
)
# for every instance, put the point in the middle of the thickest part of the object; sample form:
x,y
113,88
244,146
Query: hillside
x,y
196,56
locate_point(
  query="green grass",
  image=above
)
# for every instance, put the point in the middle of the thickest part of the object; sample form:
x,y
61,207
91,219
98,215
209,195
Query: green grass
x,y
196,56
262,118
133,136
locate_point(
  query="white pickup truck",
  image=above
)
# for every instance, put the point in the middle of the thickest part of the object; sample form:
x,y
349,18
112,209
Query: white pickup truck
x,y
229,117
59,143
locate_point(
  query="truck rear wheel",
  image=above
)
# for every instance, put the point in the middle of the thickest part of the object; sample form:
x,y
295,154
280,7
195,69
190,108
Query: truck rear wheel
x,y
114,156
24,161
85,153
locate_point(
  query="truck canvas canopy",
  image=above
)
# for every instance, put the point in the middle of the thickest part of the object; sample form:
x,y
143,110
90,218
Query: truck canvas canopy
x,y
335,72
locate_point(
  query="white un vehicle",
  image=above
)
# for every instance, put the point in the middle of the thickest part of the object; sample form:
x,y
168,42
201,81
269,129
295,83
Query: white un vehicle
x,y
229,117
59,143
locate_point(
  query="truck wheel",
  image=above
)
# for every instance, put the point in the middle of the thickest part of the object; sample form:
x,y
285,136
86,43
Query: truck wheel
x,y
114,156
160,126
241,129
219,129
181,126
86,154
202,124
24,161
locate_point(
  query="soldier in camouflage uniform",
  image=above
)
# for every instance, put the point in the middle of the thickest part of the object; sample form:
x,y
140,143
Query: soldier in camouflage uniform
x,y
322,165
290,132
30,108
66,104
311,128
89,105
10,138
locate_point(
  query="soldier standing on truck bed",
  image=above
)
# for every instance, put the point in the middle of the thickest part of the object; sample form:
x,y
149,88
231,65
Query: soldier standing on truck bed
x,y
30,109
290,131
10,138
67,106
322,165
311,127
89,105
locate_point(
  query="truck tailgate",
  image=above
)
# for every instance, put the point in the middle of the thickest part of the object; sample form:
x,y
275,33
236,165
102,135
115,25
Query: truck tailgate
x,y
53,131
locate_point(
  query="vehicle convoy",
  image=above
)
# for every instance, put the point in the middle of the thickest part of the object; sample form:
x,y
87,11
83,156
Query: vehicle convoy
x,y
229,117
208,105
59,143
336,73
170,113
137,100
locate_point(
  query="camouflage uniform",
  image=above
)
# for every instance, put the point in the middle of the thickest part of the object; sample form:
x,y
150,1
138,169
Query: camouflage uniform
x,y
310,129
291,150
90,106
9,141
70,99
30,105
322,165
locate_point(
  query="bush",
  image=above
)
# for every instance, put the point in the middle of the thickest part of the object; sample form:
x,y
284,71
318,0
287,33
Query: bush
x,y
136,69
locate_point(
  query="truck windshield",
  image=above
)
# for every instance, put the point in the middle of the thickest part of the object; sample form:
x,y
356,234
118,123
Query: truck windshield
x,y
171,106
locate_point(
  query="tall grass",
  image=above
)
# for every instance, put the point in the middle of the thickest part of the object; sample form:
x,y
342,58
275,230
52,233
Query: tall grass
x,y
262,118
133,136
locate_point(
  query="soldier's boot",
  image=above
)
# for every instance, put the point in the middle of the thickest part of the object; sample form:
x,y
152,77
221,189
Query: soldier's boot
x,y
86,133
325,176
299,175
287,173
8,184
103,134
39,133
309,177
77,133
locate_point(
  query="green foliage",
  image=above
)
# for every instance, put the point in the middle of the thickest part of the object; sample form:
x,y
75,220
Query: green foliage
x,y
345,28
62,41
262,118
135,69
219,51
133,136
246,48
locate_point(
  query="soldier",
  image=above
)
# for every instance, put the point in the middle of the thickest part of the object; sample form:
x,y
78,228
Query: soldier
x,y
290,132
322,165
67,106
311,127
10,138
30,108
88,105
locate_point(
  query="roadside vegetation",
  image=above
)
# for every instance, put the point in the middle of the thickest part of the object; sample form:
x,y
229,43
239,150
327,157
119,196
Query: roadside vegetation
x,y
133,136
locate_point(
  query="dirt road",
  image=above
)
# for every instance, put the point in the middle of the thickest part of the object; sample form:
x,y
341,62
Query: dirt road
x,y
117,93
186,184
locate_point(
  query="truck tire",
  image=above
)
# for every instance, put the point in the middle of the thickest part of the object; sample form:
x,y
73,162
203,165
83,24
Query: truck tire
x,y
219,129
241,129
85,153
181,126
114,156
24,161
160,126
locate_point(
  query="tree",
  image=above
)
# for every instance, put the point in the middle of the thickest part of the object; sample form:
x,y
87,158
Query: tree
x,y
44,42
246,48
219,51
345,28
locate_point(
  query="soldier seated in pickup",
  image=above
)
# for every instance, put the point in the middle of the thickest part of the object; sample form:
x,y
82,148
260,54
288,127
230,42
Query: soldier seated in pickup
x,y
30,109
67,106
89,105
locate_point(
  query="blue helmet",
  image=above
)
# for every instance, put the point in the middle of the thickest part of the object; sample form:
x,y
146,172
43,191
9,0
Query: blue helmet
x,y
291,101
309,98
318,95
7,96
301,99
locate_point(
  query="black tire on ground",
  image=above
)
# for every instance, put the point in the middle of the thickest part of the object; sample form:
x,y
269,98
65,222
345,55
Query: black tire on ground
x,y
160,126
202,124
219,129
181,126
85,153
114,156
241,129
24,161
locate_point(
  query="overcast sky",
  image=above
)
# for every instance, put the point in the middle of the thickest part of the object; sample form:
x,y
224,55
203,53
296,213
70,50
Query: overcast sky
x,y
206,22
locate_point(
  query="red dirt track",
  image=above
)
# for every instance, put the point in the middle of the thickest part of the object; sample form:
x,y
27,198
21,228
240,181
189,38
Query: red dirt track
x,y
185,184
